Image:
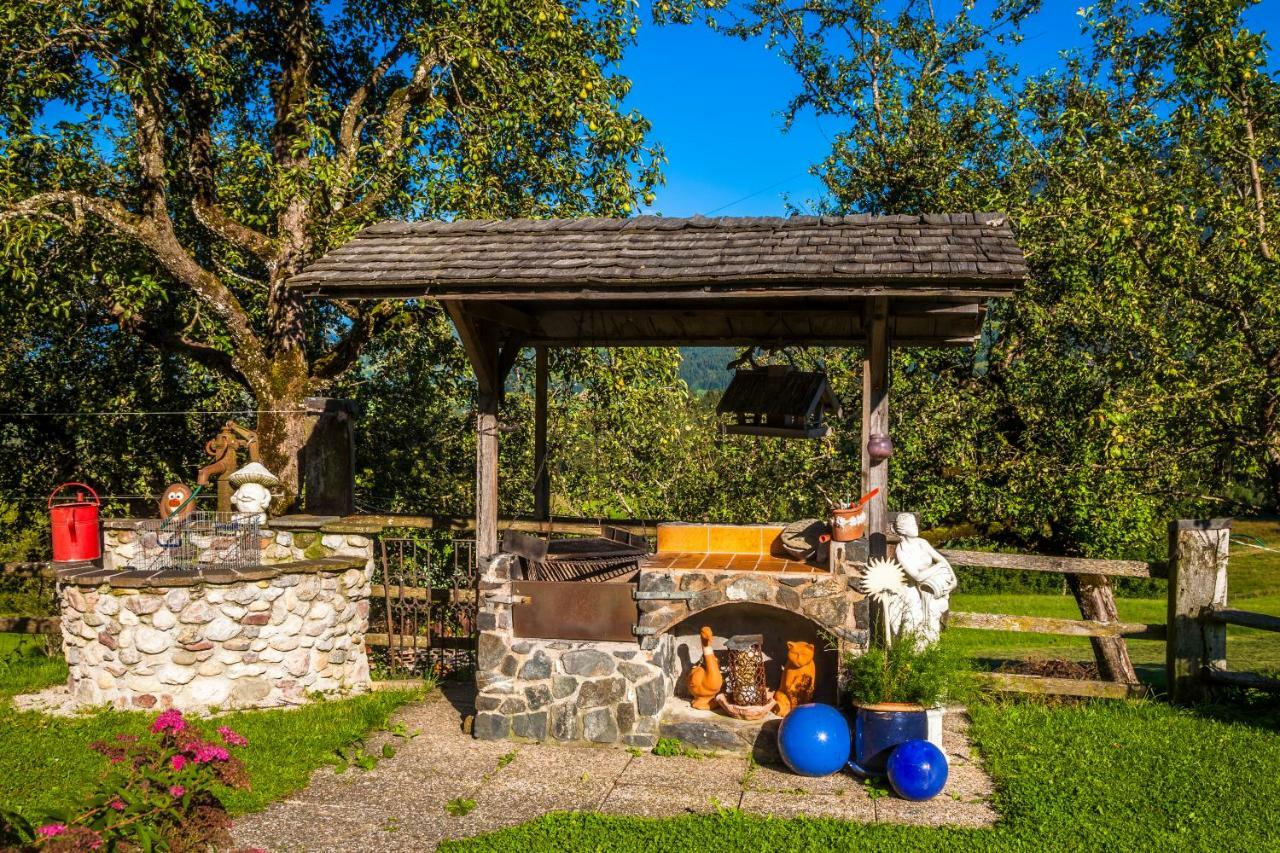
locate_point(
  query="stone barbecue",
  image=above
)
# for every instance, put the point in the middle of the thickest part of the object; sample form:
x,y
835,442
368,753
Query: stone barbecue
x,y
578,688
249,637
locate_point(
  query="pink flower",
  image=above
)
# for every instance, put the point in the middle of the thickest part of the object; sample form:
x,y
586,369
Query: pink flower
x,y
207,752
232,738
178,762
170,721
176,790
117,804
49,830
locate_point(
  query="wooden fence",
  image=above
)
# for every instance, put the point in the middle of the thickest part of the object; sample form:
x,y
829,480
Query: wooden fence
x,y
426,610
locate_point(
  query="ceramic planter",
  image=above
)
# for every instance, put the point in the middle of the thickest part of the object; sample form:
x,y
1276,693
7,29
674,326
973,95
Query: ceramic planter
x,y
879,728
849,524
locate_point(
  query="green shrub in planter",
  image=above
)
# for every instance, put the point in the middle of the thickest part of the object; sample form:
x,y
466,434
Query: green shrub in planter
x,y
903,673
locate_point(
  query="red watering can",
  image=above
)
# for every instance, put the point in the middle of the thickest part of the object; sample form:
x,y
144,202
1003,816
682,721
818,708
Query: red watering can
x,y
74,523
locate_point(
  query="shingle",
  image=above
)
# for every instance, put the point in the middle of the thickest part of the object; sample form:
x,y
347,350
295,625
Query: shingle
x,y
643,250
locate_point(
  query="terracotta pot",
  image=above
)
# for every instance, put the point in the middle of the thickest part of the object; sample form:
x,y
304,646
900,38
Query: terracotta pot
x,y
848,524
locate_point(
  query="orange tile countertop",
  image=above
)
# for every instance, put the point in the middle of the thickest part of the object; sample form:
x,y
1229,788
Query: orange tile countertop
x,y
723,547
676,561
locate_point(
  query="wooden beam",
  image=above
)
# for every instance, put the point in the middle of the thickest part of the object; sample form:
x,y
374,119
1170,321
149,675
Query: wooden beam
x,y
503,315
541,471
479,344
1098,604
486,476
1251,680
30,625
422,593
1039,563
1243,618
875,416
1198,552
1052,625
410,286
1041,685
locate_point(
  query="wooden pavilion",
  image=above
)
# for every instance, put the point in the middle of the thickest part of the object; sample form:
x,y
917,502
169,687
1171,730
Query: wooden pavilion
x,y
866,281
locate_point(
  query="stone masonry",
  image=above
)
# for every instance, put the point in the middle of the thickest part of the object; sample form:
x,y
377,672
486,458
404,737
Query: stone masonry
x,y
217,637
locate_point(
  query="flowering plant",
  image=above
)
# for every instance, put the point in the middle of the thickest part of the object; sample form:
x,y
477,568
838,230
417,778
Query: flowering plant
x,y
157,793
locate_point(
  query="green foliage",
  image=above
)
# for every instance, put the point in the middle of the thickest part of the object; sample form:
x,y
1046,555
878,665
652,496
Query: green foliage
x,y
670,747
926,675
159,791
1115,775
460,806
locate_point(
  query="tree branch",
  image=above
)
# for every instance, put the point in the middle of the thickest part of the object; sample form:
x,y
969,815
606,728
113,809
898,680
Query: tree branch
x,y
364,326
175,342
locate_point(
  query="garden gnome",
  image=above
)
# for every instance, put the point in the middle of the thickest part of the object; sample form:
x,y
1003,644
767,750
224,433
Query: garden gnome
x,y
931,573
253,485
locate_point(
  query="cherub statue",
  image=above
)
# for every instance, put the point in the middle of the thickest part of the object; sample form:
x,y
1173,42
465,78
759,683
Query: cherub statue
x,y
914,588
933,576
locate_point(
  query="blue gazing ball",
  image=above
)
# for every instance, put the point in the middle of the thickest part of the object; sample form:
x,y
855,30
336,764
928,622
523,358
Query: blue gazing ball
x,y
917,770
814,740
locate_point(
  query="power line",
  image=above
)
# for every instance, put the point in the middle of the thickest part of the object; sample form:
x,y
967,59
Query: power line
x,y
152,414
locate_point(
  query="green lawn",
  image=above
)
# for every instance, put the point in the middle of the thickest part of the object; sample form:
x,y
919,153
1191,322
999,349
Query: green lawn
x,y
285,746
1103,775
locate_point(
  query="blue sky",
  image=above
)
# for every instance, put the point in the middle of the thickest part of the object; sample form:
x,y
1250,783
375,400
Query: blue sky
x,y
715,101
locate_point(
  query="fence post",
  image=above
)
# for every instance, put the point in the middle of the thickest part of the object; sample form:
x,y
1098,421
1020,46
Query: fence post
x,y
1198,550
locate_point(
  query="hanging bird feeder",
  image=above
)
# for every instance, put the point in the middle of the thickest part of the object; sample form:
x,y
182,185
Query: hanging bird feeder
x,y
778,401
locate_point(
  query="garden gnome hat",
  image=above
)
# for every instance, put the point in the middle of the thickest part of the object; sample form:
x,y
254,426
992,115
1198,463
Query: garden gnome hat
x,y
254,472
903,525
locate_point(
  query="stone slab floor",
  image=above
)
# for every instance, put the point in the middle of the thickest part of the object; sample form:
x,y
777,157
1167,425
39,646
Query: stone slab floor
x,y
401,804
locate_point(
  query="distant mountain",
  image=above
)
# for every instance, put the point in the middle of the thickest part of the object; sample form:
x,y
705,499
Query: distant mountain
x,y
702,368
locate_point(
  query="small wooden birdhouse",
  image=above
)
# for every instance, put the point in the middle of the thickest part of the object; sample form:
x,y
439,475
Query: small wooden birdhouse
x,y
778,401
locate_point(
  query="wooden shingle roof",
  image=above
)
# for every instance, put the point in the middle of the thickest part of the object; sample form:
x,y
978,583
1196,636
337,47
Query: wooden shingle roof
x,y
971,253
777,392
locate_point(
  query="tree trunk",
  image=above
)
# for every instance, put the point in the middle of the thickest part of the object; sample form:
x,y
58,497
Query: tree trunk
x,y
283,426
1093,593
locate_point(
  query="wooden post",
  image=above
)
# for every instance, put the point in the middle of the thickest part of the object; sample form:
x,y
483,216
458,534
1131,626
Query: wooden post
x,y
875,418
541,474
1098,603
329,458
486,475
1198,551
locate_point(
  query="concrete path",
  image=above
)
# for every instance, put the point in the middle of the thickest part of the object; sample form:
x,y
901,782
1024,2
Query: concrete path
x,y
402,803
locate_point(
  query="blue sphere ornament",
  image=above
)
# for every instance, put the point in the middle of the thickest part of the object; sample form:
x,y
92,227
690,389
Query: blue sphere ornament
x,y
917,770
814,740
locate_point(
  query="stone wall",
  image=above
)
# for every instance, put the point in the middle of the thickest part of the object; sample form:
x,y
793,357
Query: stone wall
x,y
564,690
244,644
220,636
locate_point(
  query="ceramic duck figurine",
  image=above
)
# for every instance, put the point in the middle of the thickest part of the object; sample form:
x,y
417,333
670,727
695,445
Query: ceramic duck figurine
x,y
705,681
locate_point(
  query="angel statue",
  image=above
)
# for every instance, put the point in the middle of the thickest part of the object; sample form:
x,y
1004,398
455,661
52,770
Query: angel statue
x,y
914,589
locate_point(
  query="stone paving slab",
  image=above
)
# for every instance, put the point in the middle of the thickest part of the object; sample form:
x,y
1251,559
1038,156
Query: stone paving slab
x,y
402,804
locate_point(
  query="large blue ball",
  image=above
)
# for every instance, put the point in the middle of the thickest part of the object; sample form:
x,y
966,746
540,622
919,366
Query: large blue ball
x,y
814,740
917,770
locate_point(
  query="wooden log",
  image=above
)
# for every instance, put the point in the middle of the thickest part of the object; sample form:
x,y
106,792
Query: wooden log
x,y
1243,618
1198,551
30,570
1251,680
420,593
402,641
1039,563
30,625
1041,685
1052,625
486,477
1098,604
541,473
875,418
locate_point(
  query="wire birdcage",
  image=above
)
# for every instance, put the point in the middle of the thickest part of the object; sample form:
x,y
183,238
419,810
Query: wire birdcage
x,y
200,539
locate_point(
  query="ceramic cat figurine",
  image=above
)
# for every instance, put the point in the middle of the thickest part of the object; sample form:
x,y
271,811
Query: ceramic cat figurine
x,y
797,678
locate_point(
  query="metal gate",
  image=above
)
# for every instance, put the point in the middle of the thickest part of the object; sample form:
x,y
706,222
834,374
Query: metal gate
x,y
423,607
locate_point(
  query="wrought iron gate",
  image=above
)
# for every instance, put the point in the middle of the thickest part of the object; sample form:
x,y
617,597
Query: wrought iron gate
x,y
422,617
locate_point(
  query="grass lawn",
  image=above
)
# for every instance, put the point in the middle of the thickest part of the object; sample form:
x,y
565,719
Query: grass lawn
x,y
1102,775
285,746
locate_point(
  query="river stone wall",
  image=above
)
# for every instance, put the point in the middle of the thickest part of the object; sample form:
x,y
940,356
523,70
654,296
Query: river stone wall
x,y
562,690
220,636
